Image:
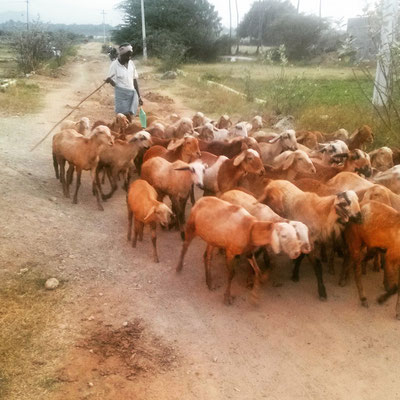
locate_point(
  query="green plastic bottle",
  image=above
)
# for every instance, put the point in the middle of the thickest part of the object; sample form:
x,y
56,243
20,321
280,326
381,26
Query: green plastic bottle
x,y
142,118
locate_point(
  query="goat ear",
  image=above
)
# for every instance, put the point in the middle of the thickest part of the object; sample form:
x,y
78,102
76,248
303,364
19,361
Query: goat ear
x,y
275,139
286,162
174,145
275,241
239,158
149,214
183,169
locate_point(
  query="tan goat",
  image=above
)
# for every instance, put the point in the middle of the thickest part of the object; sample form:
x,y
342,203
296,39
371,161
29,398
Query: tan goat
x,y
144,208
226,226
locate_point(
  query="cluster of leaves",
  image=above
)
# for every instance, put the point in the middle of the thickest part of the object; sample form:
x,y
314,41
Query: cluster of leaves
x,y
179,29
275,22
35,45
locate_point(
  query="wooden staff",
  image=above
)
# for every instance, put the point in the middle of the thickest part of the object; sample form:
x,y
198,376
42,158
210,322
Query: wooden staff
x,y
59,122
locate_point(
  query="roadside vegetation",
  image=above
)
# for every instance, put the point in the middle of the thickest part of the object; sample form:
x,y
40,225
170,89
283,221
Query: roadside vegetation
x,y
28,311
320,98
21,98
23,53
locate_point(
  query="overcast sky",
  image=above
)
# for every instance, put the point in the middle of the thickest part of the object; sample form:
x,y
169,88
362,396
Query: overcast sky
x,y
89,11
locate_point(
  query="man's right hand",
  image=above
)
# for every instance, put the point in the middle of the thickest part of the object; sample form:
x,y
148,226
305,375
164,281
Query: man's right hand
x,y
110,81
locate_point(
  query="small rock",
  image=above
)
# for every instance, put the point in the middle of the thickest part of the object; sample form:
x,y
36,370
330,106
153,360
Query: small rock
x,y
215,359
91,351
100,294
237,390
91,318
125,323
90,384
23,270
51,284
53,199
71,256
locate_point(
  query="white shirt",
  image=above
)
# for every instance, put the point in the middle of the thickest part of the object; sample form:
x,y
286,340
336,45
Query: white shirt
x,y
123,76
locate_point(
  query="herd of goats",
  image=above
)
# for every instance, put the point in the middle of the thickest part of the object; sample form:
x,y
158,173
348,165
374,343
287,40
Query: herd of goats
x,y
266,191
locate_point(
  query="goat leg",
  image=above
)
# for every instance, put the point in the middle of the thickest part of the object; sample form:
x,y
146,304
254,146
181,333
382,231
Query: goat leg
x,y
192,198
78,183
316,262
94,185
207,265
55,165
344,274
189,235
112,177
230,260
130,218
255,293
357,276
296,268
62,177
153,226
135,233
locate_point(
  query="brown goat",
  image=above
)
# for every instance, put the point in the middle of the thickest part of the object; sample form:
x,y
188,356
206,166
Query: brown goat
x,y
310,139
233,169
118,125
185,149
226,226
82,153
361,138
144,208
379,229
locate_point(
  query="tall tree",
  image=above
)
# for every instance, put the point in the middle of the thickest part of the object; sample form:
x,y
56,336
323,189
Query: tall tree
x,y
191,24
262,15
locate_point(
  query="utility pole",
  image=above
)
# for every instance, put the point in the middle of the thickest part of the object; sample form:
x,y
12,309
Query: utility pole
x,y
383,81
298,6
27,15
144,32
237,28
320,9
230,27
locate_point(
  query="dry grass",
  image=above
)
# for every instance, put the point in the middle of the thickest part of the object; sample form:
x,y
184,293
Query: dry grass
x,y
27,350
324,99
23,98
267,72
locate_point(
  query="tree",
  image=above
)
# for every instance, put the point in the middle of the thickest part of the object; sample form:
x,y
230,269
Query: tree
x,y
299,33
257,22
192,25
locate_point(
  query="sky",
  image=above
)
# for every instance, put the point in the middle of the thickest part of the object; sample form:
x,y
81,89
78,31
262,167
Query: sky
x,y
89,11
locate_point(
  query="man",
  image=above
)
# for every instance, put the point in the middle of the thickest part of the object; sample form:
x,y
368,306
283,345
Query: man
x,y
123,77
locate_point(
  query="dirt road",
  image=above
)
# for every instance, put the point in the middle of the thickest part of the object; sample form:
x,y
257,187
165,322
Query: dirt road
x,y
127,328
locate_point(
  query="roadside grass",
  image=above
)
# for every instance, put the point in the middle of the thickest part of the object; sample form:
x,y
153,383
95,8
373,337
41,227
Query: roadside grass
x,y
8,65
323,99
23,98
27,353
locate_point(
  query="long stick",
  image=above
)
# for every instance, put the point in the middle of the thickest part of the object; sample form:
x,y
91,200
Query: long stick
x,y
59,122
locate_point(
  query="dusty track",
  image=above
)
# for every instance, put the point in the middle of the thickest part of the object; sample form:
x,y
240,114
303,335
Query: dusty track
x,y
187,343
